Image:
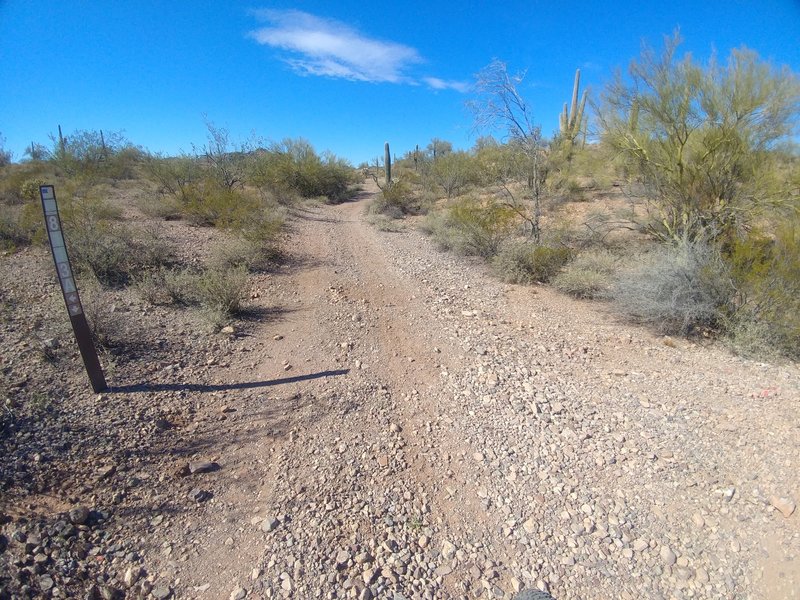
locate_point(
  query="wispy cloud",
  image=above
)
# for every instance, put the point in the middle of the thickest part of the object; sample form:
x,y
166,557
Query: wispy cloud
x,y
441,84
327,47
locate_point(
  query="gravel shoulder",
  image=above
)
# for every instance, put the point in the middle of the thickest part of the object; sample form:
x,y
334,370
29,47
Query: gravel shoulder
x,y
398,424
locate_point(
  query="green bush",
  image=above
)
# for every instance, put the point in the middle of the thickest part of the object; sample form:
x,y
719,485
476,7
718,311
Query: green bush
x,y
589,275
470,227
677,289
397,200
108,249
17,183
292,167
524,262
766,272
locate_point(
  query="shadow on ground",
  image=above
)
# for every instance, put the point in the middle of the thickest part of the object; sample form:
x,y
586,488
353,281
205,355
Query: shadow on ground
x,y
198,387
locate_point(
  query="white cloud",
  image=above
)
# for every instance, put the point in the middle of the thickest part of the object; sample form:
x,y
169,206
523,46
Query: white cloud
x,y
318,46
440,84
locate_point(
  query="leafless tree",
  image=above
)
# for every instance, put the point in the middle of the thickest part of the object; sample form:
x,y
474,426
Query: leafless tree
x,y
498,104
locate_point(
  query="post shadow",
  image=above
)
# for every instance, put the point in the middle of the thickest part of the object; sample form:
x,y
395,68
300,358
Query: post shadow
x,y
198,387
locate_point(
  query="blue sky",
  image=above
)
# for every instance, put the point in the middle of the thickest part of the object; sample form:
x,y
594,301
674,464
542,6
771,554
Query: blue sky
x,y
346,76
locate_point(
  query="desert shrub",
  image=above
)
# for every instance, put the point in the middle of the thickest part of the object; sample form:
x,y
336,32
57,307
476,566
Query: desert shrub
x,y
396,200
175,178
110,329
524,262
13,234
471,227
210,204
766,272
453,172
589,275
698,137
292,167
108,249
677,288
17,183
29,190
168,285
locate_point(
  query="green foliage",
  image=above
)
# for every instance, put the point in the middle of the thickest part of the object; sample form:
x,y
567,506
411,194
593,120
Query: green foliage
x,y
176,178
524,262
110,250
766,272
677,289
453,171
397,200
225,165
16,182
292,167
699,138
471,227
15,229
589,275
87,156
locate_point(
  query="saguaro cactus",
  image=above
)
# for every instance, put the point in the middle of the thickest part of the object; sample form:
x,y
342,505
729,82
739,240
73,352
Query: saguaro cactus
x,y
387,162
572,117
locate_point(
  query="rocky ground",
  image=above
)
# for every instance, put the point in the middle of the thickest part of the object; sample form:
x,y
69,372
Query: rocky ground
x,y
390,422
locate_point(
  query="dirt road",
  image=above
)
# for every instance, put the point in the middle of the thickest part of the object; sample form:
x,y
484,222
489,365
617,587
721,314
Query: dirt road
x,y
407,427
389,421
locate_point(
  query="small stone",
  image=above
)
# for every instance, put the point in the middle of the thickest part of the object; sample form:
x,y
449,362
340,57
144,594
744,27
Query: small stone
x,y
668,556
701,575
448,550
529,526
79,515
640,545
228,330
106,471
423,541
478,456
443,570
286,584
277,338
238,593
46,583
287,367
341,558
161,592
269,524
627,553
786,506
698,520
199,495
255,574
395,428
203,466
132,575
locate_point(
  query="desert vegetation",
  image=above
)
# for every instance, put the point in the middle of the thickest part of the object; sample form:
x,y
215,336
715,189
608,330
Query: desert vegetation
x,y
243,191
677,199
673,193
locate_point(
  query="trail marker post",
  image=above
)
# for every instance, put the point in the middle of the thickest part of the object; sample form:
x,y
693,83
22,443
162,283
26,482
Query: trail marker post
x,y
71,298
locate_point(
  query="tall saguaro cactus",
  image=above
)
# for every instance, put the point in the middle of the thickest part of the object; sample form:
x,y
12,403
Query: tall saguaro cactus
x,y
572,117
387,162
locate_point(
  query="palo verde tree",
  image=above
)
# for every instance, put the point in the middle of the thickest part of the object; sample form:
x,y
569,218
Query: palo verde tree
x,y
499,105
701,138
